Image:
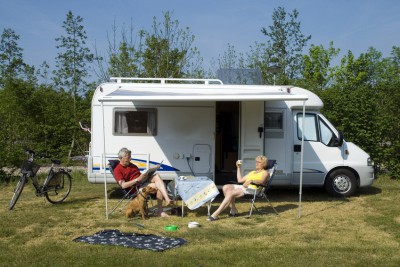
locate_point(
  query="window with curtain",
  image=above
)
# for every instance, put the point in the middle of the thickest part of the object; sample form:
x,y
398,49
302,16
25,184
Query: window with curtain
x,y
135,122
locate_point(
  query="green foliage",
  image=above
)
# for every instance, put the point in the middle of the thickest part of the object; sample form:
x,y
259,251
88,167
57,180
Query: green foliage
x,y
285,43
179,57
364,104
123,64
166,51
71,73
71,62
16,120
316,69
160,61
11,62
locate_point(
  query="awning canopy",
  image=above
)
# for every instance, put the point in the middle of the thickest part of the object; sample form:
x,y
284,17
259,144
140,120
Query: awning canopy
x,y
227,93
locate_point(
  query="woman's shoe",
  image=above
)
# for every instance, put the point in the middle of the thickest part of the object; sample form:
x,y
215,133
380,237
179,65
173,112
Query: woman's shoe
x,y
211,218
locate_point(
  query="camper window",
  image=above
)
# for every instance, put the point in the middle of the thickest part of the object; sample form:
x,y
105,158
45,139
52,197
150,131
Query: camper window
x,y
135,122
315,129
310,127
273,120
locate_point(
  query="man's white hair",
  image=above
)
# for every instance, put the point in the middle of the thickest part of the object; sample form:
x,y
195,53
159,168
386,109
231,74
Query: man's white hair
x,y
123,152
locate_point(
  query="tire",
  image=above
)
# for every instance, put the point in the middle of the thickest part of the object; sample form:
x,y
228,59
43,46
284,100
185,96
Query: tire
x,y
58,187
341,183
17,191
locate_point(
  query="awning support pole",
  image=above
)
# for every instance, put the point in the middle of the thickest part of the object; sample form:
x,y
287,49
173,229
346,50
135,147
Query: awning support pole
x,y
104,162
301,158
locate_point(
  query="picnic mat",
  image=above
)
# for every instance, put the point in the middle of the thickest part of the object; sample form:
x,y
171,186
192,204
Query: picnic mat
x,y
132,240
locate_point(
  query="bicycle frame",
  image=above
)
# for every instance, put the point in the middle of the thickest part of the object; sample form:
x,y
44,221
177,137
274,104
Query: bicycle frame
x,y
42,189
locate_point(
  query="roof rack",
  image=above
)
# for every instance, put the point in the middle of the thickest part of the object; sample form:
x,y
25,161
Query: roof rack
x,y
166,80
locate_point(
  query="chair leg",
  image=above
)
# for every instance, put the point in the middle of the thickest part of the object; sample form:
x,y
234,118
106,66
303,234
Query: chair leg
x,y
119,203
152,209
252,204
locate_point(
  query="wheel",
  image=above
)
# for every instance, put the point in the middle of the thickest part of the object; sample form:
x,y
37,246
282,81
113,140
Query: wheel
x,y
58,187
17,191
341,182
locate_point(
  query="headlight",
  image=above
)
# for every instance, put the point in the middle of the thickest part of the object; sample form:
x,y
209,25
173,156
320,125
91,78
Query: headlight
x,y
370,162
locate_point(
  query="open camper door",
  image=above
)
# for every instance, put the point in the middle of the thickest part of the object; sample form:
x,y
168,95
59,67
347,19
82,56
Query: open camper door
x,y
251,133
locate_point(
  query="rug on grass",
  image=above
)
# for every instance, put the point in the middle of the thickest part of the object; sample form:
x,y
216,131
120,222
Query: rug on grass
x,y
132,240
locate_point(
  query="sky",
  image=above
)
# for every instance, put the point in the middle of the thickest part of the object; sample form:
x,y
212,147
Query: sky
x,y
353,25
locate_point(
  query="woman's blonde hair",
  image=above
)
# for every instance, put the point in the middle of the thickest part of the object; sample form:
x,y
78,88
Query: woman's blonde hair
x,y
263,159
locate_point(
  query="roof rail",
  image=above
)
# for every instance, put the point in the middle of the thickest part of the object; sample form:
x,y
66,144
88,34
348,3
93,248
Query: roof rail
x,y
166,80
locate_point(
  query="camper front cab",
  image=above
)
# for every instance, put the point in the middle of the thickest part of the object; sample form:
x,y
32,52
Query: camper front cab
x,y
200,127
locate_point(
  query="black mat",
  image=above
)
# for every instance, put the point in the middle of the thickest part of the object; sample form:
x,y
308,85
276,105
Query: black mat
x,y
132,240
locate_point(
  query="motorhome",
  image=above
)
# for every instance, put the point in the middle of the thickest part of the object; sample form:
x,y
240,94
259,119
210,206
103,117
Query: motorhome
x,y
200,127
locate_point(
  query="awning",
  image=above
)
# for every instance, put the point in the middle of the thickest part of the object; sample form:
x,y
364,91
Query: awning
x,y
218,93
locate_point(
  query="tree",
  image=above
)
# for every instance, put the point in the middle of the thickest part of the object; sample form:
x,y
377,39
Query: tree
x,y
285,44
160,60
72,66
72,62
317,72
170,51
16,124
124,56
11,62
364,101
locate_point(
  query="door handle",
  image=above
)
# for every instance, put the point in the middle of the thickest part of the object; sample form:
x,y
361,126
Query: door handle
x,y
297,148
260,131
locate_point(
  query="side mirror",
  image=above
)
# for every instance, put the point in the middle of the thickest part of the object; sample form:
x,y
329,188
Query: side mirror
x,y
339,140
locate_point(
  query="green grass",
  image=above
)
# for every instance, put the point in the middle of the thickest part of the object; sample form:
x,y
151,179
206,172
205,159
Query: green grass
x,y
363,230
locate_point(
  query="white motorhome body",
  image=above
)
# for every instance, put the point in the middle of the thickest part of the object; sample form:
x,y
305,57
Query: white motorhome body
x,y
201,127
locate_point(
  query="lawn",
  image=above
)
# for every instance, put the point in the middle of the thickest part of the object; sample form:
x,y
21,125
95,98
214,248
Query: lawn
x,y
363,230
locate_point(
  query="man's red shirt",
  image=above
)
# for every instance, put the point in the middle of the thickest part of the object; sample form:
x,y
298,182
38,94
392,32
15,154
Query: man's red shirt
x,y
128,173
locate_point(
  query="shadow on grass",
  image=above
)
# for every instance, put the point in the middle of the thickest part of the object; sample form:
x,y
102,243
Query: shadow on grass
x,y
368,191
314,194
115,192
74,201
262,207
333,206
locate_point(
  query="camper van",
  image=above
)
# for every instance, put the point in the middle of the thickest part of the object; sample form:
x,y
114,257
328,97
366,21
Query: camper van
x,y
200,127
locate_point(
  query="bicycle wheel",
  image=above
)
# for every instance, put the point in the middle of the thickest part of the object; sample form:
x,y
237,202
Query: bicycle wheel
x,y
17,191
58,187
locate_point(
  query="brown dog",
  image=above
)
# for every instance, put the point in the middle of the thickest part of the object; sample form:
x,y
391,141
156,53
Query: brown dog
x,y
138,204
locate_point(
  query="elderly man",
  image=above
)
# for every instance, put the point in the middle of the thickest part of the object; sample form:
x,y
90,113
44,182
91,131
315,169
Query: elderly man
x,y
128,174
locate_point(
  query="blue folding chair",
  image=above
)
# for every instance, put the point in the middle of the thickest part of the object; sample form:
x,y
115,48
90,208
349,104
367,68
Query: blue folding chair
x,y
128,194
271,166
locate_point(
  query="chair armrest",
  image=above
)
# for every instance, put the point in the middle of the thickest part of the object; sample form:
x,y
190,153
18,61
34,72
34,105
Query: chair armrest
x,y
261,185
234,182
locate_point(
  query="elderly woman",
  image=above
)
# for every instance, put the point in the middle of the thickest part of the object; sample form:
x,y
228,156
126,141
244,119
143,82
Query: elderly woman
x,y
128,174
232,191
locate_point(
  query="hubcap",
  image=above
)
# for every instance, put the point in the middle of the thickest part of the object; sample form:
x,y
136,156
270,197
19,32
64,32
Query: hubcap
x,y
341,184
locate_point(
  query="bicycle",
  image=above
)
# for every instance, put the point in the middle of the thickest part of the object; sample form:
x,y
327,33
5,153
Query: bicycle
x,y
56,187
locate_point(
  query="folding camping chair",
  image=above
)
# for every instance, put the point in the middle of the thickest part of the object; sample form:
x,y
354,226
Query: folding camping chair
x,y
128,194
271,166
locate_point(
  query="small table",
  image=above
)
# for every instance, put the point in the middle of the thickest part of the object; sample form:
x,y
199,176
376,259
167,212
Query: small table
x,y
195,191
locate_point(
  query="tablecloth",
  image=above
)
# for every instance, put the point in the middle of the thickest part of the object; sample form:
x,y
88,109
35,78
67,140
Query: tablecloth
x,y
196,191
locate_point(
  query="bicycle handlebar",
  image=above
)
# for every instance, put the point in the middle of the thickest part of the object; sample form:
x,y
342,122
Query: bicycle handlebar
x,y
33,153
